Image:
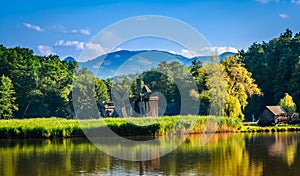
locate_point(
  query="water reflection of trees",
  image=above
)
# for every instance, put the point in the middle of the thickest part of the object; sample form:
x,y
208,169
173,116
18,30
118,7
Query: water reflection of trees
x,y
279,152
50,157
225,154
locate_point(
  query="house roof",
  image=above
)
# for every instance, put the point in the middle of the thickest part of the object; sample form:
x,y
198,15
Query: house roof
x,y
276,110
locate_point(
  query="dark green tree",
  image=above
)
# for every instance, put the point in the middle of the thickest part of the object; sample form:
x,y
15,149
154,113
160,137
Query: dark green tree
x,y
274,66
101,91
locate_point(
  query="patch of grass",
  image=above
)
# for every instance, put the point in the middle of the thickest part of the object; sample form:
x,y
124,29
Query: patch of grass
x,y
280,128
148,126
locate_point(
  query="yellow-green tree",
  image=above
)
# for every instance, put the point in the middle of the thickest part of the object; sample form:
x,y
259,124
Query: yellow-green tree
x,y
240,86
287,103
7,98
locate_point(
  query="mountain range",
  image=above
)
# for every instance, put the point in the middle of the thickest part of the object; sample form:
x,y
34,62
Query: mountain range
x,y
129,62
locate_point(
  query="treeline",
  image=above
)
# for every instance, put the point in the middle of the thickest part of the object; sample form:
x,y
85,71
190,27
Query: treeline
x,y
39,86
239,86
275,65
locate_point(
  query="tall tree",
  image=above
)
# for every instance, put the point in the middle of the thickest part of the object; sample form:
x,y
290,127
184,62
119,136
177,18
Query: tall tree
x,y
240,82
84,95
101,91
227,87
7,98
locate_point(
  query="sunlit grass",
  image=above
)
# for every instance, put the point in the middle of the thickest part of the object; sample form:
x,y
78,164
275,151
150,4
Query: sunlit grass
x,y
279,128
59,127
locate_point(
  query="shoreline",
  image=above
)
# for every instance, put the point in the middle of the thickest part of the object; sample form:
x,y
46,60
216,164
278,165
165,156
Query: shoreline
x,y
48,128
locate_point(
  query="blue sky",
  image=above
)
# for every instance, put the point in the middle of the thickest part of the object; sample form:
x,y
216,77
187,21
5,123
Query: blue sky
x,y
65,27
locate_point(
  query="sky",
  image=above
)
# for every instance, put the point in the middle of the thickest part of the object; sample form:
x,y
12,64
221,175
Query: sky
x,y
65,27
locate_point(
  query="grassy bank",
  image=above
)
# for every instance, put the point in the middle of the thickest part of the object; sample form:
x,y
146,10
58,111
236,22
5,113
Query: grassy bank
x,y
57,127
281,128
148,126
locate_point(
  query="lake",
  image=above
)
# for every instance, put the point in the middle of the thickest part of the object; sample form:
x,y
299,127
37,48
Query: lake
x,y
225,154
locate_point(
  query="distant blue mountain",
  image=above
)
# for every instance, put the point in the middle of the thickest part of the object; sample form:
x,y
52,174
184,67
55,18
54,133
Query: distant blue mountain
x,y
128,62
69,59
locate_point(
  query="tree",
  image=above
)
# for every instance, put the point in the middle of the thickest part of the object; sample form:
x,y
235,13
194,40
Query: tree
x,y
101,91
7,98
84,95
240,83
287,103
227,87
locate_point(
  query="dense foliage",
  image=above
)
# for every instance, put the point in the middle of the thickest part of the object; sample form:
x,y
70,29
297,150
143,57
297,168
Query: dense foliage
x,y
227,86
275,65
42,83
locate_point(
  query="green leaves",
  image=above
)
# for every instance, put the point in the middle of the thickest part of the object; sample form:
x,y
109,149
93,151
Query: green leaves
x,y
7,98
224,88
275,66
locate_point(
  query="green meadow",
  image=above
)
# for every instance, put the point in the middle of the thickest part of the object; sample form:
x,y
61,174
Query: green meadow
x,y
148,126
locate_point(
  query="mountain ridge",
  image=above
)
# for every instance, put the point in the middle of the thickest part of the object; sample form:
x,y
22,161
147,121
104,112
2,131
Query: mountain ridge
x,y
128,62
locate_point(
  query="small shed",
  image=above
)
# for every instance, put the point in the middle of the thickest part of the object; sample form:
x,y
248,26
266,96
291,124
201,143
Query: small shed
x,y
272,115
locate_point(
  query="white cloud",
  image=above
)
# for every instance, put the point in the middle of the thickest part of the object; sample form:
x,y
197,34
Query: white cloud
x,y
172,52
283,16
33,27
95,47
63,29
84,32
187,53
222,49
208,51
91,50
184,52
119,49
45,50
78,45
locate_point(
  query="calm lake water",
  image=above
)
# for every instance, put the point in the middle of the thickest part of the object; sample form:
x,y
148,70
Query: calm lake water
x,y
225,154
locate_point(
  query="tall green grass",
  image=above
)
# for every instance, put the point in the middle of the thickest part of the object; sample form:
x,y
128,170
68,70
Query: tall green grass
x,y
59,127
280,128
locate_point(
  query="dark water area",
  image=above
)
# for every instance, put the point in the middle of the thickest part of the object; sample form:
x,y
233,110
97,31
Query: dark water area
x,y
225,154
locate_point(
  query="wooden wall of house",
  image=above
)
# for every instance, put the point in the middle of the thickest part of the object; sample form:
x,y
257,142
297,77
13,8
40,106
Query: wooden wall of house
x,y
267,116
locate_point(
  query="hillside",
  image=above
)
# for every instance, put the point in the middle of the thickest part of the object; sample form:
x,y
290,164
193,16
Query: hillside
x,y
127,62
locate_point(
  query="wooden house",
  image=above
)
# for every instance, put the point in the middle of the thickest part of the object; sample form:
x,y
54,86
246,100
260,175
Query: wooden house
x,y
272,115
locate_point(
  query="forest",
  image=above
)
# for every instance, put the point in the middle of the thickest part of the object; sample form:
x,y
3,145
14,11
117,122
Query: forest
x,y
41,86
